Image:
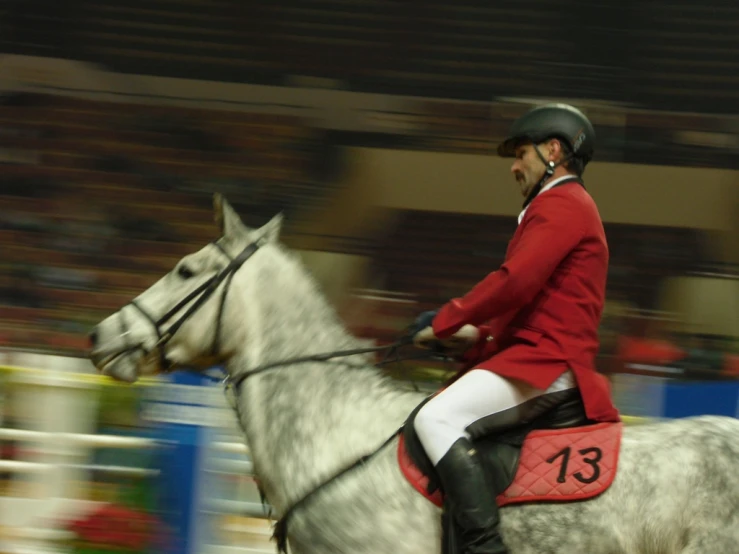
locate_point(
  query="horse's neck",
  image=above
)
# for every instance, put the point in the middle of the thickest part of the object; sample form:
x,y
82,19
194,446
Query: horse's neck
x,y
307,421
305,424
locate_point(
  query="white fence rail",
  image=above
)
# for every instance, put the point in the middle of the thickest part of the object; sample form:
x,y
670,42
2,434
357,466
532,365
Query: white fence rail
x,y
57,408
77,439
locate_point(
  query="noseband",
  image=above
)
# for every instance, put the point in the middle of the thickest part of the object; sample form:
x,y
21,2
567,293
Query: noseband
x,y
198,297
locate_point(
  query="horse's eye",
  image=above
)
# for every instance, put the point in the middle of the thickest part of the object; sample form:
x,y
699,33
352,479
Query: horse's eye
x,y
185,272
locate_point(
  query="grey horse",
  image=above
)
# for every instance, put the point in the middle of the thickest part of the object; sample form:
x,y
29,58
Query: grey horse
x,y
247,302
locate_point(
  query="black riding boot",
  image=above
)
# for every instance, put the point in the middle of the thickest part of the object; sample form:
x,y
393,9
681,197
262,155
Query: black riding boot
x,y
472,501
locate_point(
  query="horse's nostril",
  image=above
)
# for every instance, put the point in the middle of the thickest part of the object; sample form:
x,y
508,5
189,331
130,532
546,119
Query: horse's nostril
x,y
94,338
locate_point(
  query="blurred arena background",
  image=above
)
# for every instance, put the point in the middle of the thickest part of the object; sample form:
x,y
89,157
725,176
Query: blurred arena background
x,y
370,125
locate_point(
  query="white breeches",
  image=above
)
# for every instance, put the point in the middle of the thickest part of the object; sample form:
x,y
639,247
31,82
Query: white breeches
x,y
482,402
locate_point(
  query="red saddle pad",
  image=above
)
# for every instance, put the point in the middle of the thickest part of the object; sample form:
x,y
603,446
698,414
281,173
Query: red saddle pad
x,y
556,465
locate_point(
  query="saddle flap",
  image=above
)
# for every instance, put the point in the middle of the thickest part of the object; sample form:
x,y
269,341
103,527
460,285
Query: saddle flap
x,y
500,461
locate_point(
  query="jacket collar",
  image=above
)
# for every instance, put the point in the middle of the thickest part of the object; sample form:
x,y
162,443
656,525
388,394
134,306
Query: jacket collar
x,y
545,188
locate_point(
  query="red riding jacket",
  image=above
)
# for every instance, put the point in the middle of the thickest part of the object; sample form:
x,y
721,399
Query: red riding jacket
x,y
539,313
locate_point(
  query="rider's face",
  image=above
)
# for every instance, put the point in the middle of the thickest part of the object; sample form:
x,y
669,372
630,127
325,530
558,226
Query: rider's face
x,y
527,168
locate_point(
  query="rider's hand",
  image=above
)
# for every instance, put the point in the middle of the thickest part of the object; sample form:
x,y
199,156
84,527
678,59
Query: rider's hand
x,y
425,338
455,345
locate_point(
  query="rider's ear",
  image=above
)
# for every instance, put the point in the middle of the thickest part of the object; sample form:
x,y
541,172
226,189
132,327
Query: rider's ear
x,y
555,149
228,221
270,231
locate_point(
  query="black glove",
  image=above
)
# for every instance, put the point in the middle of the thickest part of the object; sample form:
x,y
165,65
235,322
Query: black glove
x,y
422,321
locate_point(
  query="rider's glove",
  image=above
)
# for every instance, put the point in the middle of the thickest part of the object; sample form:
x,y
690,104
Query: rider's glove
x,y
422,321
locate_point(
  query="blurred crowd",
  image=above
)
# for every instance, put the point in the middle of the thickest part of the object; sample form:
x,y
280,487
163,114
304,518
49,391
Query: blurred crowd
x,y
677,56
100,199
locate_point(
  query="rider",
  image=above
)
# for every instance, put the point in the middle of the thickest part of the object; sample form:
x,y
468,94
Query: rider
x,y
537,319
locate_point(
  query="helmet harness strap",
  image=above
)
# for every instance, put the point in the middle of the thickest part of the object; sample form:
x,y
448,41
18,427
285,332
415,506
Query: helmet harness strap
x,y
548,172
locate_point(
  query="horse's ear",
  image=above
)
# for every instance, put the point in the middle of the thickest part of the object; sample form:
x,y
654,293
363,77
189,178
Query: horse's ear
x,y
228,221
270,231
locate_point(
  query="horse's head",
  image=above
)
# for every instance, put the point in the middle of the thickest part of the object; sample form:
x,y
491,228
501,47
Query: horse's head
x,y
177,321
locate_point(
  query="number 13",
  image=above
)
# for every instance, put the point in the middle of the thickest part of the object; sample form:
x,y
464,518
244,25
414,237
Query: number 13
x,y
592,462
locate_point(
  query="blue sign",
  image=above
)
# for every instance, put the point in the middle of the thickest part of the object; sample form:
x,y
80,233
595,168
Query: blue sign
x,y
180,410
660,397
701,398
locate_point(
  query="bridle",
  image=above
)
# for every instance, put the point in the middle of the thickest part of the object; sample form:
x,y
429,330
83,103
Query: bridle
x,y
196,299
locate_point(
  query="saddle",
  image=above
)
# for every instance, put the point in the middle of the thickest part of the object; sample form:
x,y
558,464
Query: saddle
x,y
558,456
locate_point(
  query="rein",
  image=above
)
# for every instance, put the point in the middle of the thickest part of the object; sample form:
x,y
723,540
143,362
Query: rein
x,y
234,382
280,530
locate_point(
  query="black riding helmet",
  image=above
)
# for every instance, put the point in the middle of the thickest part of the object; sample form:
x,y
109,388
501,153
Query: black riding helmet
x,y
560,121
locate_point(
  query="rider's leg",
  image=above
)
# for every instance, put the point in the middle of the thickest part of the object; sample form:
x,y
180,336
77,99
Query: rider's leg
x,y
478,400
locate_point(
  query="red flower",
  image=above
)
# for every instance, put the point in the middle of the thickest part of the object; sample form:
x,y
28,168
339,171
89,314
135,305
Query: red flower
x,y
115,526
